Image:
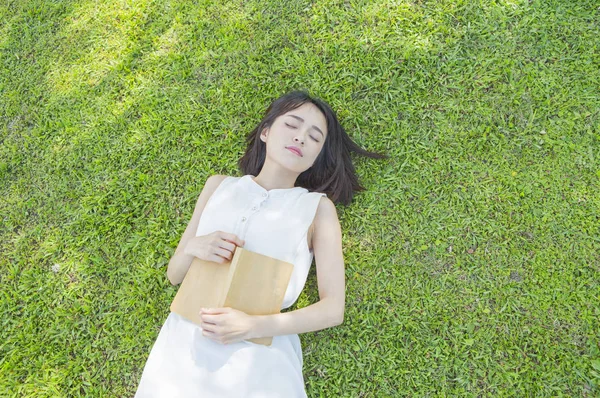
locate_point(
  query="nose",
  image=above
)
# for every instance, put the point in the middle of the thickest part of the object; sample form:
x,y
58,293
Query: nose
x,y
298,140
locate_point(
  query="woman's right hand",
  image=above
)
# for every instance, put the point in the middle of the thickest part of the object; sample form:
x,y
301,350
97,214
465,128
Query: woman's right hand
x,y
217,246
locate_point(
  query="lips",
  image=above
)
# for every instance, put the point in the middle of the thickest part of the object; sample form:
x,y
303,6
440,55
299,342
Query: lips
x,y
295,150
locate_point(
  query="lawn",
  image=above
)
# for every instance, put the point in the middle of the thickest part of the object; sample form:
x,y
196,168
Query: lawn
x,y
472,259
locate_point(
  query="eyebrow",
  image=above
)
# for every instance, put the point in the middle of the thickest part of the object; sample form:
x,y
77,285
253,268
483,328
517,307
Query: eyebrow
x,y
315,127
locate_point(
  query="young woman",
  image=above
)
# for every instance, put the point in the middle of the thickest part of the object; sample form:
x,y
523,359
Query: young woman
x,y
296,167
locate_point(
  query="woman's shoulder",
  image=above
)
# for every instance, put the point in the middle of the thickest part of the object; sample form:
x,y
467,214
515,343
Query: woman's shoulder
x,y
313,199
217,178
213,182
325,206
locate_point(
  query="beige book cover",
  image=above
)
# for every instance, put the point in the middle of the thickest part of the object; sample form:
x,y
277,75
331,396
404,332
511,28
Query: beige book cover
x,y
251,282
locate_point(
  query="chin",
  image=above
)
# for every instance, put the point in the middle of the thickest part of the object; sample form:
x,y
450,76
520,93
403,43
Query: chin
x,y
297,166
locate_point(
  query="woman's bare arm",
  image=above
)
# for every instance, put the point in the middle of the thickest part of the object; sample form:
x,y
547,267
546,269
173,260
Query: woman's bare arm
x,y
329,260
180,262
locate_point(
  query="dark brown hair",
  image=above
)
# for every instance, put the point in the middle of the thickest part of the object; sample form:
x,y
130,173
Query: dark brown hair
x,y
332,172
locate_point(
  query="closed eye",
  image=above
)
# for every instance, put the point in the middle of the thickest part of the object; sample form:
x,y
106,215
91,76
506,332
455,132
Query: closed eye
x,y
294,127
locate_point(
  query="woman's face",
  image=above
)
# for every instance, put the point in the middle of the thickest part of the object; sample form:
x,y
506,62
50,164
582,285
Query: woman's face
x,y
304,128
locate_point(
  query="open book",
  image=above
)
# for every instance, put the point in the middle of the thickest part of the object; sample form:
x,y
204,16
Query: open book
x,y
251,282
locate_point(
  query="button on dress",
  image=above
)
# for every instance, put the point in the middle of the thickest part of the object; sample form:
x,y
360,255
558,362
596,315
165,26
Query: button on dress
x,y
184,363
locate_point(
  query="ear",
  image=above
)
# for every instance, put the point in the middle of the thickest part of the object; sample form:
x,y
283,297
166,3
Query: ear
x,y
263,134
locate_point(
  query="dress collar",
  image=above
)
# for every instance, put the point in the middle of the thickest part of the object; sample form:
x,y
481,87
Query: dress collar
x,y
255,186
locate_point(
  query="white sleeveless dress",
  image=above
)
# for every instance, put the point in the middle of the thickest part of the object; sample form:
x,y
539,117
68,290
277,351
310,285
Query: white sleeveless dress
x,y
184,363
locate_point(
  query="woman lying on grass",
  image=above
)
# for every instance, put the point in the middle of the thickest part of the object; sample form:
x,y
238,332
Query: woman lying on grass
x,y
296,167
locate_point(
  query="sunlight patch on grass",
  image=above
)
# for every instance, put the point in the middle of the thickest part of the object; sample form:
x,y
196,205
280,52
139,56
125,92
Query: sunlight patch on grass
x,y
104,33
167,43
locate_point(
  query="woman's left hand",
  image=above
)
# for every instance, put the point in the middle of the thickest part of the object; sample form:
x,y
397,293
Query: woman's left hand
x,y
226,325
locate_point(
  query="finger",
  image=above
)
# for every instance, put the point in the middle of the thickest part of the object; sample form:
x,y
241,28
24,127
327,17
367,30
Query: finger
x,y
215,310
211,319
214,334
217,259
226,254
209,324
211,329
227,245
210,336
233,239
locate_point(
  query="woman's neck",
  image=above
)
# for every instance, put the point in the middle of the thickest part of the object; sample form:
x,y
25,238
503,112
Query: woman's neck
x,y
275,181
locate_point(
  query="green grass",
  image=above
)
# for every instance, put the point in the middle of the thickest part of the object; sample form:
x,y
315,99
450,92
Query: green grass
x,y
472,260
